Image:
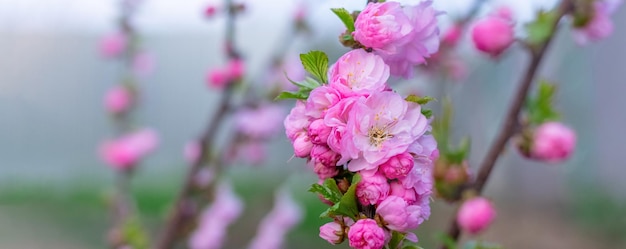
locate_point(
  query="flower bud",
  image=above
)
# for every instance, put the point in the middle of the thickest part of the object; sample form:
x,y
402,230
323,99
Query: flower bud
x,y
475,215
553,142
217,78
324,155
452,36
236,69
366,234
319,132
324,171
332,232
113,45
118,100
372,189
493,35
302,145
398,166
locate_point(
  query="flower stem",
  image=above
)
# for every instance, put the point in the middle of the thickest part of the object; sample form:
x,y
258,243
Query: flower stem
x,y
508,127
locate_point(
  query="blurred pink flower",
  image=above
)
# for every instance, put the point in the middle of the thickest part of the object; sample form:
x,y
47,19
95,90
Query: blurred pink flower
x,y
366,234
192,152
143,64
452,36
285,215
475,215
493,34
217,78
600,26
553,142
126,151
263,121
113,45
118,99
214,222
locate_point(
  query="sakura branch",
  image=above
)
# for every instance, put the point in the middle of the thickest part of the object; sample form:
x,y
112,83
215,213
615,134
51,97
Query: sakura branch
x,y
124,153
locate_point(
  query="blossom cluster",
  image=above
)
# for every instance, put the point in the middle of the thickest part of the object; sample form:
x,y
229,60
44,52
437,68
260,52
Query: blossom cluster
x,y
356,124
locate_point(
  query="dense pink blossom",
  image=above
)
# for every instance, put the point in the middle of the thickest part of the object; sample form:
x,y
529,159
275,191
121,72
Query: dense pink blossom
x,y
398,214
118,99
600,26
324,155
398,166
359,73
475,215
332,232
408,194
382,126
372,189
553,142
319,132
383,26
493,34
337,118
320,100
214,222
323,171
297,122
366,234
302,145
113,45
126,151
420,179
260,122
276,224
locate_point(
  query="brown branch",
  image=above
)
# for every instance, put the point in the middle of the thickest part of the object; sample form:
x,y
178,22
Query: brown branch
x,y
512,116
181,215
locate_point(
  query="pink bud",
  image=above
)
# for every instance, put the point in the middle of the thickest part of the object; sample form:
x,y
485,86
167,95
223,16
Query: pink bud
x,y
217,78
366,234
324,155
319,132
493,35
475,215
113,45
118,99
408,194
324,172
126,151
236,69
553,142
302,145
192,152
452,36
332,232
372,189
504,12
210,11
398,214
398,166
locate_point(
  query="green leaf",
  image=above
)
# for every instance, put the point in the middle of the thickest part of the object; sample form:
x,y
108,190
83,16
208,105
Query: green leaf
x,y
412,247
540,108
459,155
345,17
329,190
396,240
541,28
347,206
419,100
316,63
134,234
291,95
427,112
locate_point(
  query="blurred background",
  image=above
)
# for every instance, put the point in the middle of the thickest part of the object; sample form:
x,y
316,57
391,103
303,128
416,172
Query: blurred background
x,y
54,188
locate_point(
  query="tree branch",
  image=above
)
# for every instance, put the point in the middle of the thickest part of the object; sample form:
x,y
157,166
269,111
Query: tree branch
x,y
508,127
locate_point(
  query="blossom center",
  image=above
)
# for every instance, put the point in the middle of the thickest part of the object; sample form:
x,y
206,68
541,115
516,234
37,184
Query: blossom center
x,y
378,136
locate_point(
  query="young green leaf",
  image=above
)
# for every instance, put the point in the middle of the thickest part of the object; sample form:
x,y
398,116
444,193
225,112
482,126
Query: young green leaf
x,y
419,100
541,28
316,63
427,112
345,17
396,240
347,206
292,95
329,190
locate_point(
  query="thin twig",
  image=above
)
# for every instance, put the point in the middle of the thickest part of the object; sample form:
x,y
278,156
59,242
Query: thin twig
x,y
180,215
508,127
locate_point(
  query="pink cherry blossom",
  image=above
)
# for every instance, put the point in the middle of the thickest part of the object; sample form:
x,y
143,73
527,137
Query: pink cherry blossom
x,y
211,231
397,166
359,73
383,26
332,232
398,214
113,45
125,152
493,34
235,69
210,11
600,26
320,100
452,36
217,78
553,142
260,122
118,99
380,128
319,132
475,215
408,194
302,145
337,118
323,171
372,189
297,122
324,155
366,234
